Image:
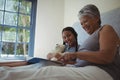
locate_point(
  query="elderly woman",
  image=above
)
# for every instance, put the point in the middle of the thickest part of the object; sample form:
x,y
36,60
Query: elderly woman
x,y
97,58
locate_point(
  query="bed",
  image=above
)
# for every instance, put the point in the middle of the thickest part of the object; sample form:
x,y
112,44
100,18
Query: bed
x,y
33,71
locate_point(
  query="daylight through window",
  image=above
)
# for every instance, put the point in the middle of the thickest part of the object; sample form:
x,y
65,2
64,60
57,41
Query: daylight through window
x,y
15,27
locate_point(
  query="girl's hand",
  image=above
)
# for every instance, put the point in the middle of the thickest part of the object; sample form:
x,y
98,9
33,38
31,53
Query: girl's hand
x,y
50,55
58,55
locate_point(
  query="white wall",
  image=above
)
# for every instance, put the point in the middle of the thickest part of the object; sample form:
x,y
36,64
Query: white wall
x,y
73,6
53,15
49,23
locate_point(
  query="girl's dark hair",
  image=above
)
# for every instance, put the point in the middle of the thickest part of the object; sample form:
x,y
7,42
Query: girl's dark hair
x,y
74,33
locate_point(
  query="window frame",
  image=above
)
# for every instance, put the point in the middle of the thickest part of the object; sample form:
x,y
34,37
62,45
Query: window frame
x,y
33,23
32,29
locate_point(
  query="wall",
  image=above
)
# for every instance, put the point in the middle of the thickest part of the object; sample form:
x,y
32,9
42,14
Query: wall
x,y
73,6
49,22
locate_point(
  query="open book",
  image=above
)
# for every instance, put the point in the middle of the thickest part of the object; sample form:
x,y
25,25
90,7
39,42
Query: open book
x,y
45,62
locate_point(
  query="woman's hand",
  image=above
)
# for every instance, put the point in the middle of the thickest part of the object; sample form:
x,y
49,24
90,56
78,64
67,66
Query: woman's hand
x,y
66,57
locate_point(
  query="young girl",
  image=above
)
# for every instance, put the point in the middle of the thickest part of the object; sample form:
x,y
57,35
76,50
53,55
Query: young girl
x,y
69,37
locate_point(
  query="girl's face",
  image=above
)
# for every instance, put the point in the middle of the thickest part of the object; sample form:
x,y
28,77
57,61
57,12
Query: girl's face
x,y
69,38
89,23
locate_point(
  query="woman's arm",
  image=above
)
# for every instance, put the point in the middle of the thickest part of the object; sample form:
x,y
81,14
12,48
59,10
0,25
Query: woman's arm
x,y
108,41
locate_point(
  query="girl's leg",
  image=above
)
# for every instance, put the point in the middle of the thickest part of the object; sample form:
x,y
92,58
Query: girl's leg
x,y
13,64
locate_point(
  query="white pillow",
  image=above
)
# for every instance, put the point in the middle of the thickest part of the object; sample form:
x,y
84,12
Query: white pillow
x,y
82,35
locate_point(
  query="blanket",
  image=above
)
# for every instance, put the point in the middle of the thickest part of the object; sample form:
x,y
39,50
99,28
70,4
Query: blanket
x,y
36,72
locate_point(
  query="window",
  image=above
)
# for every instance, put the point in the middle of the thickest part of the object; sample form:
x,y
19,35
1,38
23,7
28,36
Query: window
x,y
17,27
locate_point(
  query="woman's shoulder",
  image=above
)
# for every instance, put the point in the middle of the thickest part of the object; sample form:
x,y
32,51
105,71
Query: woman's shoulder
x,y
107,27
108,30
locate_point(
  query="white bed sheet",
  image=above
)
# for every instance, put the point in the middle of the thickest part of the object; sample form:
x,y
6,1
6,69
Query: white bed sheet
x,y
35,72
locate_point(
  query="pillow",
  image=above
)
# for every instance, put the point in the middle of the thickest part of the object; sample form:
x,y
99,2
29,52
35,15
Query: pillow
x,y
82,35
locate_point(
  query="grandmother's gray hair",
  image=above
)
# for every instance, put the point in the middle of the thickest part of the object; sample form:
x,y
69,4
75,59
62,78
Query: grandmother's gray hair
x,y
90,9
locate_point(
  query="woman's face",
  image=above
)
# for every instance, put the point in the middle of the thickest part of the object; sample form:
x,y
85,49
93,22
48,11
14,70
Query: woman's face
x,y
69,38
89,23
